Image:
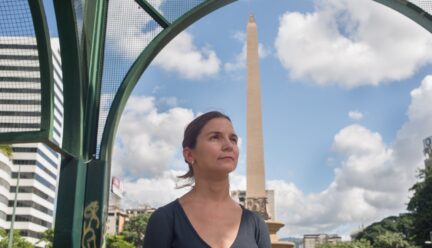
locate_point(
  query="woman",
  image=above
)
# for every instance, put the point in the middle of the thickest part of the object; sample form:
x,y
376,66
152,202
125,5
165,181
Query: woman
x,y
206,216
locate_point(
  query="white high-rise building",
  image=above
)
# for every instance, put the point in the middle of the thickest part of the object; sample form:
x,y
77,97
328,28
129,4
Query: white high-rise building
x,y
20,110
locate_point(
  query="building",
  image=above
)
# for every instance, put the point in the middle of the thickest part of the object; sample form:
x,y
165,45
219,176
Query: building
x,y
116,220
138,211
116,216
312,240
35,167
5,181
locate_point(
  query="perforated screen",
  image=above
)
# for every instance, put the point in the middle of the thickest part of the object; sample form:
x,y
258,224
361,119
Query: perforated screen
x,y
20,86
425,5
129,30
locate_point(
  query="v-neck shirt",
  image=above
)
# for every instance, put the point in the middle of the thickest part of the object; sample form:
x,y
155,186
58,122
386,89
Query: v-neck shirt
x,y
169,227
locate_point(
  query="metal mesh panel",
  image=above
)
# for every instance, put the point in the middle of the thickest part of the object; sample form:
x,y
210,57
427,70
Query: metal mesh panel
x,y
20,87
426,5
173,9
129,30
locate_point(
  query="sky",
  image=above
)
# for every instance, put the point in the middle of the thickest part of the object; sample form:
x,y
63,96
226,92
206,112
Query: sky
x,y
345,91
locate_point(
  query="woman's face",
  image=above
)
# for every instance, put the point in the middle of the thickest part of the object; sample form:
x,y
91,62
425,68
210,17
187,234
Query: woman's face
x,y
216,151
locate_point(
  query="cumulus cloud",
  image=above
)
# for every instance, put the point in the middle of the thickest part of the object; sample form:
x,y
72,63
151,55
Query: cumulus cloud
x,y
147,140
239,61
132,30
355,115
351,43
156,191
182,56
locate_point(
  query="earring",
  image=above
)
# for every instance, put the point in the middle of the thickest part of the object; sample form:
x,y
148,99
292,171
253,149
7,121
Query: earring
x,y
192,162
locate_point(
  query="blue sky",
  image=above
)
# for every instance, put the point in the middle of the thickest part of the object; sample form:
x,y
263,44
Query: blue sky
x,y
345,102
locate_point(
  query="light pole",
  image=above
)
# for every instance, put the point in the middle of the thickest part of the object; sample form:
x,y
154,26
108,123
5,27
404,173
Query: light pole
x,y
11,229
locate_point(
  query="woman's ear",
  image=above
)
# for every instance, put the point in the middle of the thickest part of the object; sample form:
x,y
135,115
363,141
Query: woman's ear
x,y
187,155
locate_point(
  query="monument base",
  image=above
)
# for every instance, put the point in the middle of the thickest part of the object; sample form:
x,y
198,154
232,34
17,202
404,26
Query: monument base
x,y
274,227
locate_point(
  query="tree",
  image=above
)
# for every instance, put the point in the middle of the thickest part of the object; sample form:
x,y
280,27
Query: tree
x,y
392,240
347,244
401,225
6,150
48,238
135,228
421,206
117,241
18,241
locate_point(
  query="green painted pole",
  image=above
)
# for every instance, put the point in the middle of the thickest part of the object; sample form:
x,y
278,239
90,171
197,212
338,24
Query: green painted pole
x,y
70,202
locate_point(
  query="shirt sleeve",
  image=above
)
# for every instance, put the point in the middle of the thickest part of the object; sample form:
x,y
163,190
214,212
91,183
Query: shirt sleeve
x,y
159,232
263,236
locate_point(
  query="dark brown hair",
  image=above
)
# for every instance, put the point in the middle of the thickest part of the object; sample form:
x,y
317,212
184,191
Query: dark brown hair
x,y
193,130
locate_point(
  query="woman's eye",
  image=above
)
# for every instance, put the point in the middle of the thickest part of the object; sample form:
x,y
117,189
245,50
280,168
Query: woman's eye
x,y
214,137
234,140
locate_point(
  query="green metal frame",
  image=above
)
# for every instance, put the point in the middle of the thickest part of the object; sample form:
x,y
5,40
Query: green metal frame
x,y
84,179
411,11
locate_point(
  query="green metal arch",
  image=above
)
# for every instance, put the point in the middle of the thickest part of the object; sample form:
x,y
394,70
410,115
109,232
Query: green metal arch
x,y
142,62
404,7
411,11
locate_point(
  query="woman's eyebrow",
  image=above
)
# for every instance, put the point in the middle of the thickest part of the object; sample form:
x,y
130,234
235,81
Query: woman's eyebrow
x,y
218,132
213,132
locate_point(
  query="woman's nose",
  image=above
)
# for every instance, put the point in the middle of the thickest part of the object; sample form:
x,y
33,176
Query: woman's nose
x,y
227,144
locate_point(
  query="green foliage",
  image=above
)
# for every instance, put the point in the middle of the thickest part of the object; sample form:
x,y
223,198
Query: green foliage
x,y
402,224
347,244
48,238
6,150
117,241
135,228
421,206
392,240
18,241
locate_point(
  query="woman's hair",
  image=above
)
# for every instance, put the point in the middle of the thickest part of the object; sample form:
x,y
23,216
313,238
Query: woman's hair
x,y
191,134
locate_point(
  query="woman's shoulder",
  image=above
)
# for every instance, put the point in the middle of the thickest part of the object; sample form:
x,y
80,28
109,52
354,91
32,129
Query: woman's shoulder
x,y
251,215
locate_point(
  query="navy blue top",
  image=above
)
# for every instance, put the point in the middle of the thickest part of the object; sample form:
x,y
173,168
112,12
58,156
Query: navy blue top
x,y
169,227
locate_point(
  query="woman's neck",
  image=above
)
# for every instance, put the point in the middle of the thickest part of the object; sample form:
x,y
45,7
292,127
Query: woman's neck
x,y
211,191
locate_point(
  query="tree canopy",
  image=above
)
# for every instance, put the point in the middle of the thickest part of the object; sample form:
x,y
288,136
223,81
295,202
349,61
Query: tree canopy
x,y
135,228
421,205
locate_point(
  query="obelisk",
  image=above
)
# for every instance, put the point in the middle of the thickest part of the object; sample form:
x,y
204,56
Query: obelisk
x,y
256,199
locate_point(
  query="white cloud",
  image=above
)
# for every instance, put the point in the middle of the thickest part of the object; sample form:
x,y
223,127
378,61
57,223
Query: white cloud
x,y
351,43
181,56
239,61
147,140
153,192
355,115
132,30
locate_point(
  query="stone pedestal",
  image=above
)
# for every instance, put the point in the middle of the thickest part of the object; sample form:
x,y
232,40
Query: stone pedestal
x,y
274,227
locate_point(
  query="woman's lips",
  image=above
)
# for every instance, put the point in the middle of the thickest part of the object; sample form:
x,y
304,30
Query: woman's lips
x,y
227,157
